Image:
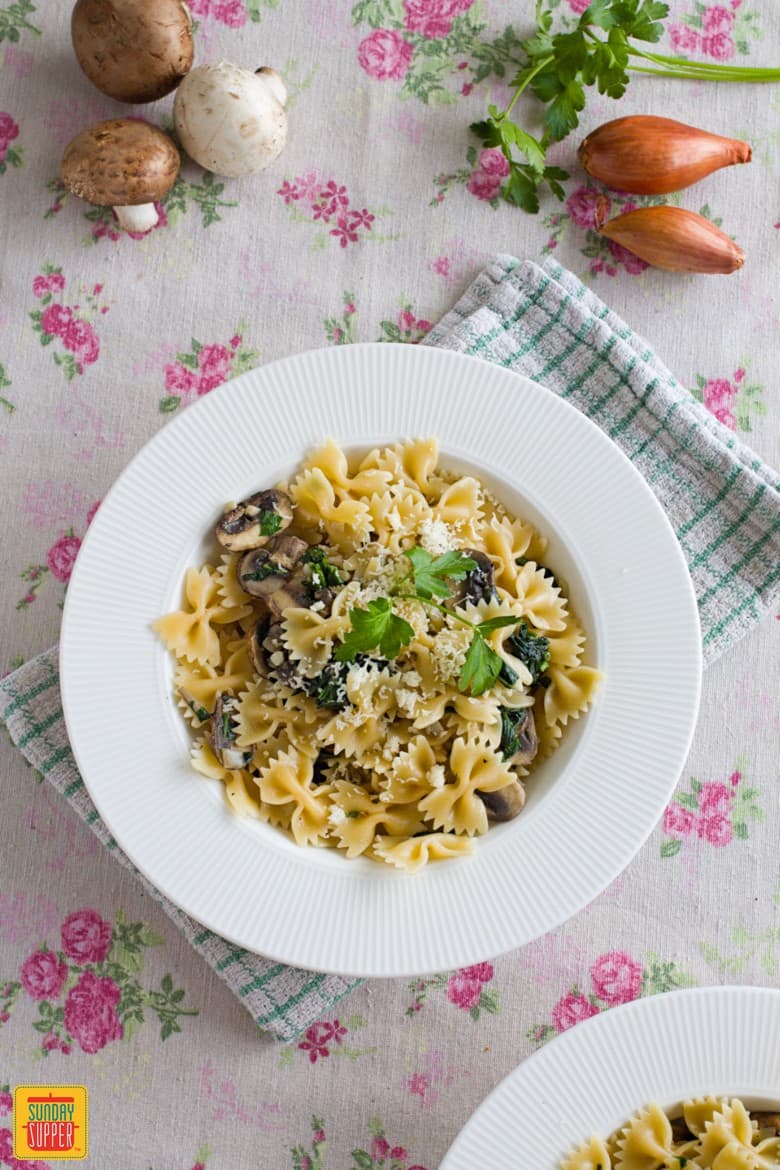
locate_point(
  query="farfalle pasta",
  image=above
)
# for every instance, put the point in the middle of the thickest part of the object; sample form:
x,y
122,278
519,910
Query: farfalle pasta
x,y
377,657
712,1133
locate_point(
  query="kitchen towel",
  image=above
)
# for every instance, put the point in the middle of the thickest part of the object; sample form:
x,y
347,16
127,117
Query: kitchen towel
x,y
722,501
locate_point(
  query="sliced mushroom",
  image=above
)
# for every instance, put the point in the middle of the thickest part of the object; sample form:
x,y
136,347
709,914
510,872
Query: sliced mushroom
x,y
506,803
269,654
478,585
261,571
255,638
223,734
519,740
253,522
293,594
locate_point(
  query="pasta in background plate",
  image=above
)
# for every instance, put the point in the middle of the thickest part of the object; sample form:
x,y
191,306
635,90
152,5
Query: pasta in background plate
x,y
379,657
713,1133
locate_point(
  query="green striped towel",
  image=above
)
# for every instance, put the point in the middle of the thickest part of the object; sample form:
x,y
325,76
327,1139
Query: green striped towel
x,y
724,505
722,500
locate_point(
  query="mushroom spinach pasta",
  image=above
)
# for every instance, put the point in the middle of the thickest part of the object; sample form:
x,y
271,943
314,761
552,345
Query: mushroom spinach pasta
x,y
380,657
712,1133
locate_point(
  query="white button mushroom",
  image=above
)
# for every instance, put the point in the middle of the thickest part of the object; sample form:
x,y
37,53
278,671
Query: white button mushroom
x,y
133,50
231,121
125,164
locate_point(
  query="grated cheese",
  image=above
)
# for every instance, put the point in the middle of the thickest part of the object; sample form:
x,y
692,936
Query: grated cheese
x,y
336,816
436,537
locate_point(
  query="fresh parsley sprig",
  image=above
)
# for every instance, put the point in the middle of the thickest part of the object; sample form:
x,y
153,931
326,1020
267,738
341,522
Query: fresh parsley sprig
x,y
428,577
558,67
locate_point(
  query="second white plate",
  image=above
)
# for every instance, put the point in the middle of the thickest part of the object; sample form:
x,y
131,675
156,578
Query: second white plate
x,y
590,806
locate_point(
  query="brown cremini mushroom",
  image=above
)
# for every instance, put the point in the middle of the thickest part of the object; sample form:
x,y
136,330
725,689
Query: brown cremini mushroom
x,y
124,164
133,50
505,803
261,571
254,521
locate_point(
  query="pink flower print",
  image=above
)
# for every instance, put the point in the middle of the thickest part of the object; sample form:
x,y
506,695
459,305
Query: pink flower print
x,y
86,937
441,266
571,1009
484,972
718,45
406,320
380,1148
91,513
55,319
684,39
8,131
61,558
318,1135
385,55
307,185
714,799
289,192
361,219
419,1084
6,1145
6,1103
581,206
464,990
493,162
734,779
230,12
718,19
50,1043
317,1037
179,380
90,1012
433,18
334,196
717,829
616,978
719,397
678,821
80,338
630,262
484,186
54,282
578,6
43,975
344,233
212,358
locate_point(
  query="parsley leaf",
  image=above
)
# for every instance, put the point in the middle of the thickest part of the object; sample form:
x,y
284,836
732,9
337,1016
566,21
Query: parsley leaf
x,y
270,523
374,627
497,623
481,667
431,574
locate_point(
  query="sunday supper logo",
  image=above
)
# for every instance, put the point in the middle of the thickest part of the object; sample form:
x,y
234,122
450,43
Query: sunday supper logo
x,y
50,1120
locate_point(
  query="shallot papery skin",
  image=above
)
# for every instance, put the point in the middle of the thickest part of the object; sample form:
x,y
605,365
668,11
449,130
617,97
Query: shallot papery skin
x,y
645,155
675,239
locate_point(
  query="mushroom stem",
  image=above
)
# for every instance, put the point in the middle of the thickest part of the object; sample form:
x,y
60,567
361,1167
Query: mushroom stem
x,y
140,218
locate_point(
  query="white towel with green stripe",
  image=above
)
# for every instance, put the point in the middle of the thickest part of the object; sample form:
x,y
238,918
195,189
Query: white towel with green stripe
x,y
722,501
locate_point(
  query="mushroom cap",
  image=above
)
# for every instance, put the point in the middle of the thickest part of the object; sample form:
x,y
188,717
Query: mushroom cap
x,y
122,163
229,120
133,50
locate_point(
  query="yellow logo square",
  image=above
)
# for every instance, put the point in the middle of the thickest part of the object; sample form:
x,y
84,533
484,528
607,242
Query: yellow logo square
x,y
50,1121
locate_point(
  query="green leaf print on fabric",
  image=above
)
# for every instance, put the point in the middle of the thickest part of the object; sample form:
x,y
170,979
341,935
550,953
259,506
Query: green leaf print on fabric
x,y
88,992
715,30
405,327
5,381
762,947
14,22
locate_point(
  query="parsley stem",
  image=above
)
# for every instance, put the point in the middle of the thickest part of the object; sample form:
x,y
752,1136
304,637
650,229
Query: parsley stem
x,y
743,72
436,605
542,64
702,77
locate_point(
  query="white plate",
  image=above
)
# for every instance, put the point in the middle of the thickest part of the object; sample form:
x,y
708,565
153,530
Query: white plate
x,y
590,1080
589,807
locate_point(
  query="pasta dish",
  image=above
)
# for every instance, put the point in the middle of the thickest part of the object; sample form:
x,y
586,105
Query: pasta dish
x,y
378,658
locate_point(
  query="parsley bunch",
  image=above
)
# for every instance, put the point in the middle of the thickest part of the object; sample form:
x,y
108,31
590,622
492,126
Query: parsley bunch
x,y
428,577
560,66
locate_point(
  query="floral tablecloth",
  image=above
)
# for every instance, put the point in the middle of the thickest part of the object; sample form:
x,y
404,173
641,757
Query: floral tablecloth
x,y
370,224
